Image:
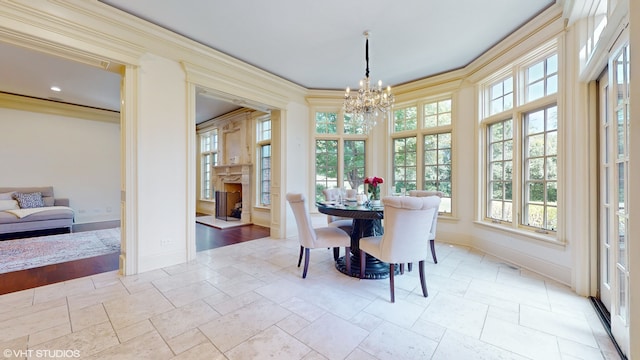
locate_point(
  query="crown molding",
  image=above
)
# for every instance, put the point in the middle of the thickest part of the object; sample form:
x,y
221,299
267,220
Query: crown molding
x,y
95,33
541,29
225,84
204,65
24,103
68,28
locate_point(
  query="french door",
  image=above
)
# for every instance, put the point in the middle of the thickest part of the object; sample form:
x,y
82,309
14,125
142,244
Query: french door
x,y
614,195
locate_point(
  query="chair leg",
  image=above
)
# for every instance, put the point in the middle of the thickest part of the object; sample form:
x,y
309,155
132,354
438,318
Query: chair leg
x,y
392,269
409,267
300,257
363,263
402,269
347,259
422,279
306,263
336,253
433,251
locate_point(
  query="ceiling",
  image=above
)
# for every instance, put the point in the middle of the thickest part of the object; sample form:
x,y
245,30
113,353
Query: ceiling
x,y
315,44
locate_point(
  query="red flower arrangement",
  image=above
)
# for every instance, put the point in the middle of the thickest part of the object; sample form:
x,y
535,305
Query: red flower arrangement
x,y
372,188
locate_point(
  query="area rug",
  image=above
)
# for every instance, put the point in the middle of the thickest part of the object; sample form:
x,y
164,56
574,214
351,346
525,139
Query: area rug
x,y
20,254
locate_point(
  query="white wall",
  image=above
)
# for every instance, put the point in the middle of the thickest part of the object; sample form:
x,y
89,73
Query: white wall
x,y
297,159
79,158
162,164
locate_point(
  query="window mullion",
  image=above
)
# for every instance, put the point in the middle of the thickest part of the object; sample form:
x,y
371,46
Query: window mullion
x,y
517,192
420,160
340,161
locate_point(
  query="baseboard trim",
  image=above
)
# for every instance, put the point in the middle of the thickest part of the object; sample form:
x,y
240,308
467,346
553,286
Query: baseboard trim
x,y
96,226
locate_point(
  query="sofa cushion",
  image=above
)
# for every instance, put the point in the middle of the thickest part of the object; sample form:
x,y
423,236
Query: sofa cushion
x,y
8,204
29,200
7,195
47,193
53,213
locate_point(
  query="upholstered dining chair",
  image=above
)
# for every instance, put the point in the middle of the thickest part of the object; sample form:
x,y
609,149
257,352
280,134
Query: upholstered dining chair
x,y
344,223
312,238
402,241
432,233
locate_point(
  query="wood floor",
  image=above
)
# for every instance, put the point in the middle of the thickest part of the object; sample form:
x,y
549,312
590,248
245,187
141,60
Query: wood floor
x,y
207,237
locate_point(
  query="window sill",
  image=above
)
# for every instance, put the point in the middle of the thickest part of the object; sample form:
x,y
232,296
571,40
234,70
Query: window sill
x,y
549,240
448,218
207,200
262,207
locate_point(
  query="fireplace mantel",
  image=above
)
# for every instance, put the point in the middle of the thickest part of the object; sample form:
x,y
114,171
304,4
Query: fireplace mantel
x,y
236,174
231,169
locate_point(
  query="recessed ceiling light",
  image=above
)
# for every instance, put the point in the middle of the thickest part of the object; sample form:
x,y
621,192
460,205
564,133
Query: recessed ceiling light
x,y
55,88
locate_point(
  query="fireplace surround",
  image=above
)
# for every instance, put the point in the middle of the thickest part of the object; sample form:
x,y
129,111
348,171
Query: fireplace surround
x,y
234,179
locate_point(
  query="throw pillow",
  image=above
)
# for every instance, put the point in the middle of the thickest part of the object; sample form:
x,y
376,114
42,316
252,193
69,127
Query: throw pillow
x,y
6,196
48,200
8,204
29,200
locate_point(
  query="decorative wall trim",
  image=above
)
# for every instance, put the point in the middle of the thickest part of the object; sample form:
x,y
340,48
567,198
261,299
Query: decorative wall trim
x,y
24,103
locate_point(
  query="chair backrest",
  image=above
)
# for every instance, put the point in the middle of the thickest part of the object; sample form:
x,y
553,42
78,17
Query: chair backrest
x,y
306,233
332,194
404,226
351,193
425,193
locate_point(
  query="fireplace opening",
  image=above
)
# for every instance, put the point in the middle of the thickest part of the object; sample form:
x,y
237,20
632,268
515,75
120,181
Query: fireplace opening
x,y
229,202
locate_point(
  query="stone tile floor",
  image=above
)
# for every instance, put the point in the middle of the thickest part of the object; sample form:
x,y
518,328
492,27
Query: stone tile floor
x,y
248,301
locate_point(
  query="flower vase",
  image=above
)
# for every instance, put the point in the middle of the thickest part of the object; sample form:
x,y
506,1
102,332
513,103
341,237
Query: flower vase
x,y
374,200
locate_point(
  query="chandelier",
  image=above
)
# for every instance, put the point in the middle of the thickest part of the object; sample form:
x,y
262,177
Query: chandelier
x,y
369,105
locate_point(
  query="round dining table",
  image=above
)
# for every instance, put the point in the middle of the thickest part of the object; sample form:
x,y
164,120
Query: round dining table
x,y
367,221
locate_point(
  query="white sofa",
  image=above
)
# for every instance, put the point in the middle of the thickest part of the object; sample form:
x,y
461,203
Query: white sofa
x,y
53,214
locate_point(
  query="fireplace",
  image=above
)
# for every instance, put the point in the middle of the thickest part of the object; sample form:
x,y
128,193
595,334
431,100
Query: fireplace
x,y
233,199
229,202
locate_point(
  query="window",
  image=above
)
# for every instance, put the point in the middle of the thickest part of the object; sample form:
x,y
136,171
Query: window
x,y
422,149
326,123
208,159
521,144
405,119
265,175
340,153
264,161
405,164
501,96
541,168
541,78
437,113
596,22
354,161
326,166
500,160
351,125
437,166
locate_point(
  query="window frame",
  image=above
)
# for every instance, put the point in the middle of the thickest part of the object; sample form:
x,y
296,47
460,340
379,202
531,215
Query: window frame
x,y
420,133
340,136
210,135
521,107
263,139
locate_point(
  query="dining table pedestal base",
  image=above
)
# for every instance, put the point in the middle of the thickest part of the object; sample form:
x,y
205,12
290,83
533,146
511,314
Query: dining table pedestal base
x,y
367,221
374,268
